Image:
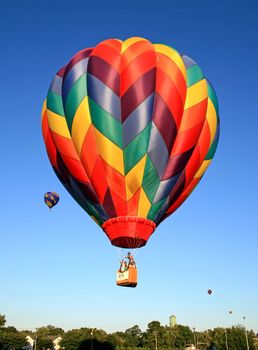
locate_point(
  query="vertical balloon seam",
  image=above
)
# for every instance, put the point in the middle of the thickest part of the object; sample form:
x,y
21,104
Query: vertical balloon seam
x,y
158,48
74,72
191,186
87,202
94,82
170,185
167,50
152,122
167,203
86,206
145,132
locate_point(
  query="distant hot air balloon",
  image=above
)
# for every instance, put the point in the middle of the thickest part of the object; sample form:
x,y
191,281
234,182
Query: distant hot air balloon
x,y
130,127
230,312
209,291
51,199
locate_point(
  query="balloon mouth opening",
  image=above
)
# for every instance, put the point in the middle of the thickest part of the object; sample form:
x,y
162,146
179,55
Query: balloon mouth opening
x,y
128,231
128,242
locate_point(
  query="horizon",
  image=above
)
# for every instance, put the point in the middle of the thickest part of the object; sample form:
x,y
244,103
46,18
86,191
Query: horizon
x,y
34,329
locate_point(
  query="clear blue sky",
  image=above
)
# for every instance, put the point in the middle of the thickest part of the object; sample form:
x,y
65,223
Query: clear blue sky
x,y
59,268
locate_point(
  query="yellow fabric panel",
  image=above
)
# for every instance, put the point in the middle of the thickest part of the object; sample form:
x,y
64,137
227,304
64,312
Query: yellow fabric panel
x,y
81,124
110,152
131,41
202,168
173,55
196,93
144,205
211,117
44,107
58,124
133,179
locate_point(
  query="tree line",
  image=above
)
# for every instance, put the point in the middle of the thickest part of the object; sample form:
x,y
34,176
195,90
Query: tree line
x,y
155,337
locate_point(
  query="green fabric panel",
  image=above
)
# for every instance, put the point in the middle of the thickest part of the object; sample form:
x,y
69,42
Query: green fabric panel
x,y
136,149
194,74
155,209
90,210
151,180
213,97
105,123
93,212
212,150
74,98
55,103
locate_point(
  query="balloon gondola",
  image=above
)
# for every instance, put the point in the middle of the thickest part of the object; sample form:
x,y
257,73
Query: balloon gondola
x,y
127,274
130,127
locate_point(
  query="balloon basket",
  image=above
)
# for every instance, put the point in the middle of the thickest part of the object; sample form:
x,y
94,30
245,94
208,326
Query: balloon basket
x,y
127,278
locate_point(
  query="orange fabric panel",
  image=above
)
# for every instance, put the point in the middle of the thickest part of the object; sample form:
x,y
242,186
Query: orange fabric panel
x,y
132,204
204,140
50,146
169,92
140,65
108,54
119,203
75,168
187,139
89,153
98,180
114,44
135,50
171,69
194,115
115,180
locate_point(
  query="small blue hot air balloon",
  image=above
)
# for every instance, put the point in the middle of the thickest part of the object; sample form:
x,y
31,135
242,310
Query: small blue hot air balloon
x,y
51,199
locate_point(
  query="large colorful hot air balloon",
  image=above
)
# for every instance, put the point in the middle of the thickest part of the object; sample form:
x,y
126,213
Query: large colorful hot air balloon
x,y
130,127
51,199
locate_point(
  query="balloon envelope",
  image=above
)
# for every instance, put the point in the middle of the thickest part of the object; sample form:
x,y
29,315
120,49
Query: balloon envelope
x,y
130,127
51,199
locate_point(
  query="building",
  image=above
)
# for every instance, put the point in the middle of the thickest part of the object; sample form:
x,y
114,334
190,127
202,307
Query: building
x,y
172,321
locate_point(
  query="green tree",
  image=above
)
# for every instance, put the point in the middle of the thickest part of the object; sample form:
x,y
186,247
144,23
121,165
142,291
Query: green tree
x,y
45,336
235,336
133,336
72,339
49,331
153,335
184,336
12,340
44,342
149,337
95,344
117,339
203,339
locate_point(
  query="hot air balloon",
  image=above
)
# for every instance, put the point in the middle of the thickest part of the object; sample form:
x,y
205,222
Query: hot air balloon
x,y
230,312
130,127
51,199
209,291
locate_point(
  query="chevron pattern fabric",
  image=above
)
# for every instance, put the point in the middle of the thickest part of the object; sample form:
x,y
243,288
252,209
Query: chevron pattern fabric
x,y
130,127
